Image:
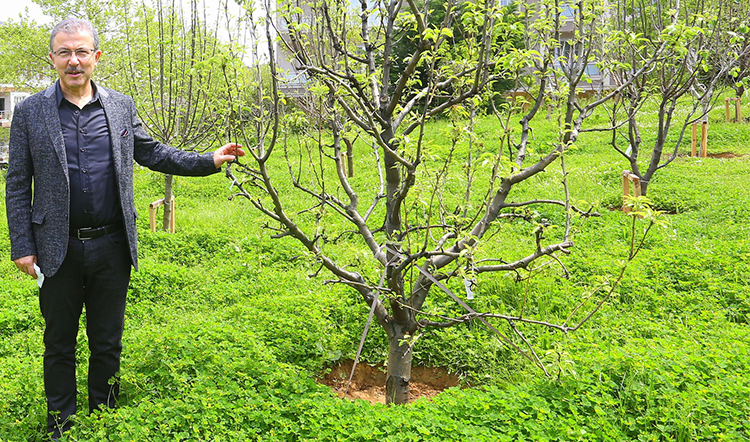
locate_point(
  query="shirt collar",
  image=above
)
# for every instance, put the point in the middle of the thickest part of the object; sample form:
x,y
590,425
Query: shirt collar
x,y
59,94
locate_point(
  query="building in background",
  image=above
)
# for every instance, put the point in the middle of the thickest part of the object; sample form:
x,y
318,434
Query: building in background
x,y
596,81
9,98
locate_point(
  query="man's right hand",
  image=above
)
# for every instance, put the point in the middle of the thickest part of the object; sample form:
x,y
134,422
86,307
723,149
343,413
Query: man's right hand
x,y
26,265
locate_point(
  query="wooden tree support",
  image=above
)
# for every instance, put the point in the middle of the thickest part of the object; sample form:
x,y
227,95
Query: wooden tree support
x,y
348,158
704,140
737,109
152,209
627,178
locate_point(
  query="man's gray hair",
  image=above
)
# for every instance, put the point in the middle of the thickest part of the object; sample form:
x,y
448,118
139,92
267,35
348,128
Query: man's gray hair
x,y
72,26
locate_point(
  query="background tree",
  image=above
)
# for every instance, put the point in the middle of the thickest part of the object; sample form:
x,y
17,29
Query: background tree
x,y
24,49
697,45
165,66
739,28
406,36
24,46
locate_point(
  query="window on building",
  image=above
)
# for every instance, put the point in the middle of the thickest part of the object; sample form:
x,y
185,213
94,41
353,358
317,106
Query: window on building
x,y
567,12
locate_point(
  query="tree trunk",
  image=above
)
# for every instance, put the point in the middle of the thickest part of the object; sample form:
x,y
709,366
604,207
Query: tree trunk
x,y
166,220
399,371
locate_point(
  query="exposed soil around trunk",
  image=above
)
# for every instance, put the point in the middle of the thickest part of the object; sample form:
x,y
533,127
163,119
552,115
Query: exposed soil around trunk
x,y
719,155
662,209
725,155
368,382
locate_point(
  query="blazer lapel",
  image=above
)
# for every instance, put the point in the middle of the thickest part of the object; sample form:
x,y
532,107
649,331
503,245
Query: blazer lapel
x,y
110,112
52,122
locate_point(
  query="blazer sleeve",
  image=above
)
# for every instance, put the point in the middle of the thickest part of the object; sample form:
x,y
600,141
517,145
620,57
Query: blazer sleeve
x,y
18,193
164,158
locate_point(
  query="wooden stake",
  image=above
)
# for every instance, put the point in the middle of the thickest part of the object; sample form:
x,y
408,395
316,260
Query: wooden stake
x,y
343,162
152,209
726,109
349,157
152,213
172,217
704,140
738,109
627,178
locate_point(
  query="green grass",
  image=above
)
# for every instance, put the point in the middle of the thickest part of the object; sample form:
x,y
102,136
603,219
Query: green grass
x,y
226,329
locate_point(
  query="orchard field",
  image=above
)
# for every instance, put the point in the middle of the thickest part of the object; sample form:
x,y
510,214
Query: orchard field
x,y
227,330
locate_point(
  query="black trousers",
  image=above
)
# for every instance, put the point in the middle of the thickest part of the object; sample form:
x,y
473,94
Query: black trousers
x,y
95,273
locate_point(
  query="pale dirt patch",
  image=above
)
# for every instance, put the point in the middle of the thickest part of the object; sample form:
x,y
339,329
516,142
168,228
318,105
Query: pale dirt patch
x,y
719,155
725,155
368,383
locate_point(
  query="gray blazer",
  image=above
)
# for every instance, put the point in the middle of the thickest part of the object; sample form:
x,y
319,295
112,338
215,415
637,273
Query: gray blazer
x,y
38,218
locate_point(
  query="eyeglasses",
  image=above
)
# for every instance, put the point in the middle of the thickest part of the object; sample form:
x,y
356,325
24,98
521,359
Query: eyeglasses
x,y
81,54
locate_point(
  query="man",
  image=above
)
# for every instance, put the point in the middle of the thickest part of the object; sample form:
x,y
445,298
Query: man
x,y
71,214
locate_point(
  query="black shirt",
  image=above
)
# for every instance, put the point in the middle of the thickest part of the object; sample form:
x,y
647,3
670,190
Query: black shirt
x,y
94,199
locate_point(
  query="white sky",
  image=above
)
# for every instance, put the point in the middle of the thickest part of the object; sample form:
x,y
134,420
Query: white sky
x,y
12,8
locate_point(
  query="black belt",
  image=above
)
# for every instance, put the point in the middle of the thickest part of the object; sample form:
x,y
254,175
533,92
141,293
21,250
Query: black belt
x,y
85,233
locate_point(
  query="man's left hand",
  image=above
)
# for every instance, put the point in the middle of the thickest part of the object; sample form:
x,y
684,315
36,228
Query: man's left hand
x,y
227,152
